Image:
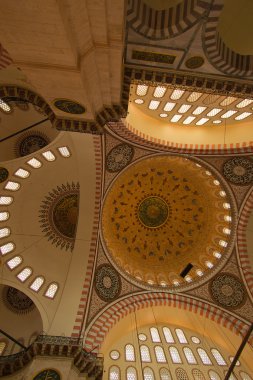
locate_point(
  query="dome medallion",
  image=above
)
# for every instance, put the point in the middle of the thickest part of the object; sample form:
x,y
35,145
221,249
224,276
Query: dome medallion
x,y
162,213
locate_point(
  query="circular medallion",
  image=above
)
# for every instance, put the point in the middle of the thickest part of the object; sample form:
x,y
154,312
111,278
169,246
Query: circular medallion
x,y
194,62
4,174
119,157
47,374
156,219
107,282
239,170
31,143
69,106
17,301
153,212
228,291
59,215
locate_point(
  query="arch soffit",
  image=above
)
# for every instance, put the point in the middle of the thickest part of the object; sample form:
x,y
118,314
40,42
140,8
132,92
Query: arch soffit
x,y
102,324
242,249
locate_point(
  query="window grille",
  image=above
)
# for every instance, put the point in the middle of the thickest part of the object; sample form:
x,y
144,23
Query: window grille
x,y
145,355
181,374
131,373
181,336
160,356
148,374
129,353
165,374
175,357
167,335
114,373
218,357
155,335
189,356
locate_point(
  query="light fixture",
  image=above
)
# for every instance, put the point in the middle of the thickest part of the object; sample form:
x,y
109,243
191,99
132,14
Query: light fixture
x,y
199,272
222,193
209,264
226,231
217,254
227,218
223,243
216,182
226,206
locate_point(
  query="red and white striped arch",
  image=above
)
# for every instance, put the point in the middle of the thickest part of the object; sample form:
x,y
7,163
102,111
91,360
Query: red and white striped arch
x,y
243,253
104,322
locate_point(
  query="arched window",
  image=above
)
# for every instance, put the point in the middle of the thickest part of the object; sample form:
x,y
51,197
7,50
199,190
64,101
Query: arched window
x,y
214,375
2,347
24,274
129,353
160,356
37,283
145,355
167,335
131,373
197,374
6,248
181,374
175,357
181,336
51,290
165,374
114,373
218,357
245,376
189,356
155,335
204,357
148,374
14,262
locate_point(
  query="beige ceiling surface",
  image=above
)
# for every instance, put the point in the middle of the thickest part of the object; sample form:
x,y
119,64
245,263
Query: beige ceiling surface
x,y
65,267
235,25
162,4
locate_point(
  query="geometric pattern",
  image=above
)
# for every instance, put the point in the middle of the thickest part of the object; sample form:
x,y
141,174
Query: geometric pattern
x,y
119,157
17,301
107,282
239,170
58,215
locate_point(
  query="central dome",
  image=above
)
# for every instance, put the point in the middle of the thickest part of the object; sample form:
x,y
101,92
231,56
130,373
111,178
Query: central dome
x,y
163,213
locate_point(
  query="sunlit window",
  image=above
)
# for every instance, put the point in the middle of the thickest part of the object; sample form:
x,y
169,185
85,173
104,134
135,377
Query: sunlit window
x,y
14,262
129,353
64,151
4,106
218,357
214,375
148,374
160,356
114,354
189,356
204,357
22,173
4,232
48,155
195,340
114,373
6,248
142,89
165,374
145,355
167,335
181,336
6,200
51,290
34,163
142,337
12,186
175,357
155,335
231,358
24,274
37,283
131,373
4,216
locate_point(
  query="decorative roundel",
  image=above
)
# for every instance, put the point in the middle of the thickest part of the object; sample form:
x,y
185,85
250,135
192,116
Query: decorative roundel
x,y
227,290
31,144
194,62
239,170
59,215
153,212
119,157
69,106
3,174
17,301
47,374
107,282
114,355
